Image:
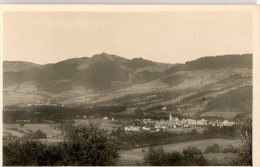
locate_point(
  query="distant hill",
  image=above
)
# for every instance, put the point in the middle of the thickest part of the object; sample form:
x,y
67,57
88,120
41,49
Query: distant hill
x,y
17,66
216,62
97,73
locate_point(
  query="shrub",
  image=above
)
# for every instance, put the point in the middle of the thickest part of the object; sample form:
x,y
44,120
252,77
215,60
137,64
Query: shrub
x,y
36,135
189,156
29,153
230,149
213,149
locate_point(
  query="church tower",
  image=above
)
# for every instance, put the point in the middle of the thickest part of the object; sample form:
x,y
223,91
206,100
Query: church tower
x,y
170,117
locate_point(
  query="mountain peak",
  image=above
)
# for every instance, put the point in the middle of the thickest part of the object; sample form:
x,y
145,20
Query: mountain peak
x,y
104,57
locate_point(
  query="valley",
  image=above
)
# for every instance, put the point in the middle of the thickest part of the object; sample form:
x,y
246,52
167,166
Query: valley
x,y
138,103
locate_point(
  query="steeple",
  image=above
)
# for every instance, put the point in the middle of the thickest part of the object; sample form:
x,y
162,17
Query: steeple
x,y
170,117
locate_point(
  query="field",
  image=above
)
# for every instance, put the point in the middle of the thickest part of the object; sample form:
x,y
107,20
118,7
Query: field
x,y
50,129
130,157
185,130
46,128
104,124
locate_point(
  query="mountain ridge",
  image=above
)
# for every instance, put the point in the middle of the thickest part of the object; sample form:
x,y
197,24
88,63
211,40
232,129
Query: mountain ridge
x,y
107,72
16,66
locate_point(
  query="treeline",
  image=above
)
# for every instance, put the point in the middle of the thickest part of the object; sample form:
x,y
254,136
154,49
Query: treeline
x,y
216,148
136,63
191,156
225,61
197,95
239,99
132,99
57,113
215,62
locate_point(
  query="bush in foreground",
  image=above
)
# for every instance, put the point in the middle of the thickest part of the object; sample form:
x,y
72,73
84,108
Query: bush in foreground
x,y
83,145
189,156
212,149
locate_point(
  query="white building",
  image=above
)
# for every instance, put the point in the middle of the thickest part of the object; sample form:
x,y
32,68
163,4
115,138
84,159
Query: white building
x,y
132,128
105,118
146,128
164,108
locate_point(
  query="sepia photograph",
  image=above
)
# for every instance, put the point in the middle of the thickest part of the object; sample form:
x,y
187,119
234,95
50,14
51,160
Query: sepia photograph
x,y
127,85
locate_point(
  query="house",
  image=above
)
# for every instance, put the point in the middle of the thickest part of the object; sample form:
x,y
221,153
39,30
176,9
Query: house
x,y
178,109
227,123
175,119
202,122
161,120
25,121
164,108
105,118
171,125
192,122
146,128
186,125
183,121
146,121
132,128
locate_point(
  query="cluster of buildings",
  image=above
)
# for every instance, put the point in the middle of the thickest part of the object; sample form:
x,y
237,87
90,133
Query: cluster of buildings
x,y
49,102
92,117
39,104
173,122
139,128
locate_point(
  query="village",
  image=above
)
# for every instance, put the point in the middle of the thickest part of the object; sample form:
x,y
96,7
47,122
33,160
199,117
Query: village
x,y
41,102
173,123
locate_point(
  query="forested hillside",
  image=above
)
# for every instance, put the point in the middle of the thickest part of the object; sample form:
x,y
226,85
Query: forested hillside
x,y
239,100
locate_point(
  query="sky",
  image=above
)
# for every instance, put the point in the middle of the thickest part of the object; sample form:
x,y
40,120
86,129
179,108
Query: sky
x,y
170,37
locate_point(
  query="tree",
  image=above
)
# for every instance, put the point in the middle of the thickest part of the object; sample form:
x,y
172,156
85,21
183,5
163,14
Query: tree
x,y
84,145
22,124
30,153
36,135
194,132
139,112
245,139
191,151
154,157
39,135
88,145
66,126
193,156
190,156
214,149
